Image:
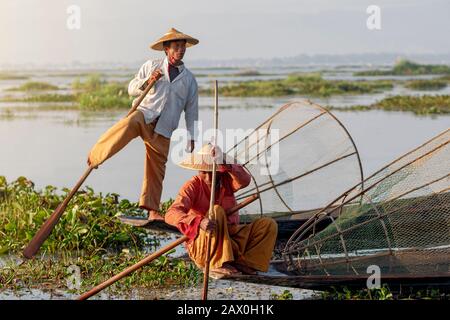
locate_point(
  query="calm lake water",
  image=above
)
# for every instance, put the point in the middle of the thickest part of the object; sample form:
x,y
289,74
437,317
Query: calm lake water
x,y
51,147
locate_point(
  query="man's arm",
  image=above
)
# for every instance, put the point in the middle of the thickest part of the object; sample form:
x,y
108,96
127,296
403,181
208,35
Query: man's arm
x,y
137,85
240,178
140,81
178,213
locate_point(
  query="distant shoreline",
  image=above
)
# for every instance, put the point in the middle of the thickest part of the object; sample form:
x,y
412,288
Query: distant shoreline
x,y
374,59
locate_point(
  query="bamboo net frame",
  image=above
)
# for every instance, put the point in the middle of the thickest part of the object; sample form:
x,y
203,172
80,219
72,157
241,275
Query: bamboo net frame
x,y
397,219
291,157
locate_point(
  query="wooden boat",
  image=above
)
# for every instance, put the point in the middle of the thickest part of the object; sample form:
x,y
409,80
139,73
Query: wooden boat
x,y
280,275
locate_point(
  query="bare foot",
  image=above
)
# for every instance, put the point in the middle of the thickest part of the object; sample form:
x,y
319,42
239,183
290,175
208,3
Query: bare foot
x,y
154,216
226,269
89,164
245,269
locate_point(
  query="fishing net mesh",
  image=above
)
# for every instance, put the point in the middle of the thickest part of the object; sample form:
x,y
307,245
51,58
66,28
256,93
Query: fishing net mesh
x,y
299,159
398,220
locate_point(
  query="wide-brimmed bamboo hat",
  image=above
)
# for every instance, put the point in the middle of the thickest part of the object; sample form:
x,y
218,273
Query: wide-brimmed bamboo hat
x,y
203,160
173,35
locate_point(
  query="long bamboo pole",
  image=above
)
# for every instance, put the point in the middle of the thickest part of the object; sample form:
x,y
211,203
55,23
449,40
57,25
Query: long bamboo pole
x,y
51,222
153,256
47,227
133,268
212,199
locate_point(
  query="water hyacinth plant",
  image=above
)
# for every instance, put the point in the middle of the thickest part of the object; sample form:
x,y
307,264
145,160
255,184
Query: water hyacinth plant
x,y
97,94
419,105
35,86
88,236
432,84
89,222
300,84
93,94
407,68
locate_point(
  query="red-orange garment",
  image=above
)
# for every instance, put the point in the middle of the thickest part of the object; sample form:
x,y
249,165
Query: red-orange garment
x,y
192,202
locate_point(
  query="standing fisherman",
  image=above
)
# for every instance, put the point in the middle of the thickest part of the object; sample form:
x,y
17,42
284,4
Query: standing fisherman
x,y
156,117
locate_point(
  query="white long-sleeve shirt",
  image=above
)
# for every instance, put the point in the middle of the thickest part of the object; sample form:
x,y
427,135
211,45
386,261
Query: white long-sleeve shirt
x,y
167,99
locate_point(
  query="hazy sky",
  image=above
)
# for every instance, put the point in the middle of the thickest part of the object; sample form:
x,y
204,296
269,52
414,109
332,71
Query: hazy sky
x,y
120,30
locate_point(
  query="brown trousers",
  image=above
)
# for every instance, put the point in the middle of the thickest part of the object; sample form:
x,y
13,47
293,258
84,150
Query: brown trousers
x,y
248,244
157,149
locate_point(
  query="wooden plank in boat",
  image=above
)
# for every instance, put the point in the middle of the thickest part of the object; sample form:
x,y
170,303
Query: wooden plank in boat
x,y
143,222
285,226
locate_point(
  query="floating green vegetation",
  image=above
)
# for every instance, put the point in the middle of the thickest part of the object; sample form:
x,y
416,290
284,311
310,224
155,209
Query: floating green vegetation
x,y
7,114
12,76
420,105
35,86
38,108
248,73
88,236
46,97
431,84
407,68
242,73
383,293
109,96
99,95
94,269
215,68
252,89
240,107
427,104
300,84
95,94
89,222
72,74
93,82
92,94
285,295
445,78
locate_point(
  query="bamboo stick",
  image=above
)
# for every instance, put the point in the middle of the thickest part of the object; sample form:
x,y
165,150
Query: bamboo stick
x,y
47,227
212,199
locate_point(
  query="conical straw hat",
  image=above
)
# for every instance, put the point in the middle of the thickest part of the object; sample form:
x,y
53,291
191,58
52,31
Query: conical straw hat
x,y
173,35
203,160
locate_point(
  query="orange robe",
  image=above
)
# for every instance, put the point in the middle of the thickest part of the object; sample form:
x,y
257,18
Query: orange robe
x,y
250,244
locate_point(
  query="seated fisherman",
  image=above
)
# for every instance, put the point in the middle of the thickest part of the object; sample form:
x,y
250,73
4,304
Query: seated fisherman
x,y
235,247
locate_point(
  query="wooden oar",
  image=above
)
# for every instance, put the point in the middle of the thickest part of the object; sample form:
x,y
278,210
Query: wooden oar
x,y
133,268
47,227
153,256
212,199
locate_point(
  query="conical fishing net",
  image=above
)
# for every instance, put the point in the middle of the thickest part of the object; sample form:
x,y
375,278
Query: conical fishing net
x,y
398,220
300,159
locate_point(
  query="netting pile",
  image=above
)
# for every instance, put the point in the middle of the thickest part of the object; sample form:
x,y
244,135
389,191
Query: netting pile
x,y
398,220
300,159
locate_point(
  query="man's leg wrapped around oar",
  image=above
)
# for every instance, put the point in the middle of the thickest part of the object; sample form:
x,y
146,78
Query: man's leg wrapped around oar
x,y
157,149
